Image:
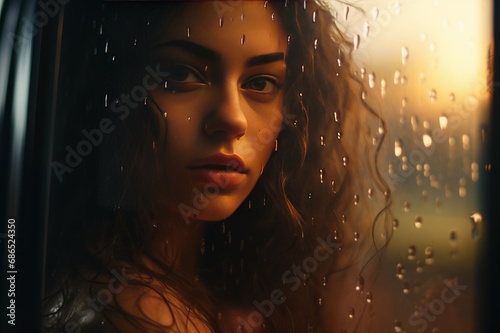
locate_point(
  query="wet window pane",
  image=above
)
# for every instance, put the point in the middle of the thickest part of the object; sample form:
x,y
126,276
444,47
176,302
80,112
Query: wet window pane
x,y
246,166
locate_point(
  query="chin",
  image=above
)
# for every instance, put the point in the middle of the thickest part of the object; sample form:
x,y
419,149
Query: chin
x,y
213,215
219,209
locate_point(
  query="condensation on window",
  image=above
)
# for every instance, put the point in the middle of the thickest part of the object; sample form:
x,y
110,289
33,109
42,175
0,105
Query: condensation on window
x,y
427,66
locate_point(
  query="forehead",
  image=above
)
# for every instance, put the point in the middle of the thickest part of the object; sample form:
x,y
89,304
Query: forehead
x,y
244,26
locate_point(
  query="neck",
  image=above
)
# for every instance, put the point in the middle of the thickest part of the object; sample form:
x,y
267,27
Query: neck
x,y
181,242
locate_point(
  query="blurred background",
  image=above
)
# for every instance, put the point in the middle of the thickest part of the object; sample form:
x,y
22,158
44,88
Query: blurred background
x,y
428,66
428,69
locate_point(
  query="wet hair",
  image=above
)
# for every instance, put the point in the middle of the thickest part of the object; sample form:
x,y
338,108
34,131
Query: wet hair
x,y
310,188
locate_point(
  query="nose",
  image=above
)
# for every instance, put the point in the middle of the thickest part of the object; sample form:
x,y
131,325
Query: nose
x,y
227,118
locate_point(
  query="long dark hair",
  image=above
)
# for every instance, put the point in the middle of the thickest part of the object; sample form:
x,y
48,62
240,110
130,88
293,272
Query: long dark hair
x,y
308,189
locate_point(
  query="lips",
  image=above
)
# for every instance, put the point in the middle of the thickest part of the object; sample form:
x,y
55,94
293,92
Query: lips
x,y
220,163
226,171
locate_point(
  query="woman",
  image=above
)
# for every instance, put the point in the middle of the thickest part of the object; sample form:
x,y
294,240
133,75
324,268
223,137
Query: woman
x,y
219,197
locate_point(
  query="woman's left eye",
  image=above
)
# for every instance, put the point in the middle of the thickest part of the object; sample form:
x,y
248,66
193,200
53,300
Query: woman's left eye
x,y
263,85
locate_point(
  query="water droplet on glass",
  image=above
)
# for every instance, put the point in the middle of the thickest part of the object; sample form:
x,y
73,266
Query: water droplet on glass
x,y
356,236
333,186
366,29
453,237
443,121
344,218
395,224
375,13
405,53
360,282
316,44
397,8
320,301
432,95
321,172
370,193
419,266
371,80
397,326
351,313
265,4
429,255
427,140
242,40
406,206
369,297
398,149
418,222
465,142
476,218
411,252
188,32
397,77
345,160
346,13
383,84
356,199
474,171
221,21
406,287
356,41
400,271
314,16
325,279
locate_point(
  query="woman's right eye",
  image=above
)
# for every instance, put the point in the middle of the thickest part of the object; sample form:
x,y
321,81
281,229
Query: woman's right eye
x,y
183,78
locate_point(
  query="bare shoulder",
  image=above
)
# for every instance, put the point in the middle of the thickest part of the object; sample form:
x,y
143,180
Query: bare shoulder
x,y
154,308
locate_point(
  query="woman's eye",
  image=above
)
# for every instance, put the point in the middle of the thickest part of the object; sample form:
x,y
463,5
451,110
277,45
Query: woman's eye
x,y
263,85
183,78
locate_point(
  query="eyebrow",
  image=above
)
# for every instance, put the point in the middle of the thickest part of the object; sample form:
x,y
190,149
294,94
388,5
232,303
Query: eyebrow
x,y
205,53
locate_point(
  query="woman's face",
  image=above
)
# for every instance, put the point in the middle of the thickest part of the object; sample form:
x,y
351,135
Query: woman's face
x,y
223,99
